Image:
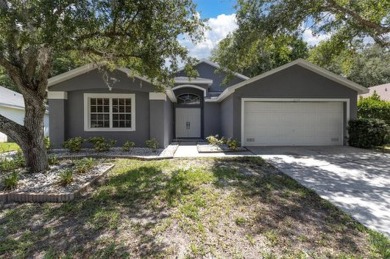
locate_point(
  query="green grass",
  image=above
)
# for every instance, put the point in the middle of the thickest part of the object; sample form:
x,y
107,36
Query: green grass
x,y
8,146
195,208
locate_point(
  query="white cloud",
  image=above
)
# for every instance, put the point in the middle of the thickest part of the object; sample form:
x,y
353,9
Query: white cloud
x,y
219,28
312,39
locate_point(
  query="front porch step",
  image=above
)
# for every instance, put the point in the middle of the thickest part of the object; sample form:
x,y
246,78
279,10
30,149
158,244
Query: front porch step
x,y
188,141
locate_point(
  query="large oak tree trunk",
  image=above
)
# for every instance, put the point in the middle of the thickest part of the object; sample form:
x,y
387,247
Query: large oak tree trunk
x,y
29,137
33,148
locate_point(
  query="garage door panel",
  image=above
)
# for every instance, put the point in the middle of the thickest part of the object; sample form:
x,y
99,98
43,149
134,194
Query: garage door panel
x,y
293,123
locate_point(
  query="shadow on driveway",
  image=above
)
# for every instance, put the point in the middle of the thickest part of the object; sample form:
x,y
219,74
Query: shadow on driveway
x,y
356,180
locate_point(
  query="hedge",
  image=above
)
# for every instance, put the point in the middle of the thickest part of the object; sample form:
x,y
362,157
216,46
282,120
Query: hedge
x,y
374,108
367,133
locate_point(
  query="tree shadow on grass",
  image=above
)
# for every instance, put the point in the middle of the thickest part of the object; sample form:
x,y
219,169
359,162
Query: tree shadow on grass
x,y
298,215
131,202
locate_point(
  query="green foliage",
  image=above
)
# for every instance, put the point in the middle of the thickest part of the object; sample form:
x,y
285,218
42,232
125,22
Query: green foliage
x,y
365,65
215,140
152,144
8,146
101,31
367,133
100,144
53,160
66,177
142,36
251,53
47,142
233,144
355,19
373,107
10,182
13,163
346,53
128,145
84,165
74,144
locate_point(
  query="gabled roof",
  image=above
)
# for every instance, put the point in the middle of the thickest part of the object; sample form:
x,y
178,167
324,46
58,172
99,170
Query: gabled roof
x,y
208,62
300,62
382,90
82,70
9,98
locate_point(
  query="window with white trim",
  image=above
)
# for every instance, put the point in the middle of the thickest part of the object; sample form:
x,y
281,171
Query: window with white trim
x,y
109,112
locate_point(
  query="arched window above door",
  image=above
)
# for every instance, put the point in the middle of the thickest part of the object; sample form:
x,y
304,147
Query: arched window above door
x,y
188,99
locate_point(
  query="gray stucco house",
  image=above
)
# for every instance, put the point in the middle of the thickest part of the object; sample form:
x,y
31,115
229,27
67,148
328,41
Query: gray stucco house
x,y
296,104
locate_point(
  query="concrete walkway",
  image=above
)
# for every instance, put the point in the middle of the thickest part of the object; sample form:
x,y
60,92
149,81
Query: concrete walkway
x,y
355,180
190,150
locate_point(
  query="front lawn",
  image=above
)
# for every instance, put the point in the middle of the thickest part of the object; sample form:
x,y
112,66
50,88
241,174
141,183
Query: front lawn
x,y
8,146
189,208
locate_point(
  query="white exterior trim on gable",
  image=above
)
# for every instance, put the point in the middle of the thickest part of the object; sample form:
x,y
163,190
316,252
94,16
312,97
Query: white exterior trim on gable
x,y
303,63
156,96
85,69
87,96
57,95
191,86
171,95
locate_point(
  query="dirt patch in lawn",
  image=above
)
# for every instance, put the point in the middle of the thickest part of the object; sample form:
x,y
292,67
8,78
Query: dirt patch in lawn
x,y
230,208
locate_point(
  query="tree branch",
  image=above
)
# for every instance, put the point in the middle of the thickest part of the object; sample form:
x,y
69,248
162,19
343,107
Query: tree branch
x,y
11,128
379,29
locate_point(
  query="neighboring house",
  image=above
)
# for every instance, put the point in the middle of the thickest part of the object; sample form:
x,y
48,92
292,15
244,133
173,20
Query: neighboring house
x,y
382,90
12,107
296,104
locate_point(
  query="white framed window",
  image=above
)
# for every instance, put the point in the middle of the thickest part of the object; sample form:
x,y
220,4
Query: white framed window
x,y
109,112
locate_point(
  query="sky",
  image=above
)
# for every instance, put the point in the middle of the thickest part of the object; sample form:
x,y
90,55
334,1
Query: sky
x,y
221,21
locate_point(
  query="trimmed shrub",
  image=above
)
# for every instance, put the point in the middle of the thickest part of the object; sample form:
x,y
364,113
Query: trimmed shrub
x,y
233,144
100,144
374,108
74,144
215,140
11,181
129,145
367,133
152,144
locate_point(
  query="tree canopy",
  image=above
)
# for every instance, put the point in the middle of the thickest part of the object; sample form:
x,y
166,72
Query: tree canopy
x,y
365,65
138,34
355,19
250,54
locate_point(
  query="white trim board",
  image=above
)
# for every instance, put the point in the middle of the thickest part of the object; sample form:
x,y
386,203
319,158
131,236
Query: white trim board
x,y
344,100
85,69
157,96
57,95
111,96
191,86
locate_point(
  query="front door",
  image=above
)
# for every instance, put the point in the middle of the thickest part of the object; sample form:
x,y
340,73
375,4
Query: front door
x,y
188,123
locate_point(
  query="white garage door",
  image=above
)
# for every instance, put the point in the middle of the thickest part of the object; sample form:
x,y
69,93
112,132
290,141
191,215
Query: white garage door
x,y
292,123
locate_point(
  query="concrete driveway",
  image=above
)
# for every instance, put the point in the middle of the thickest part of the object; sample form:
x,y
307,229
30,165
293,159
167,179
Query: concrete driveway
x,y
355,180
